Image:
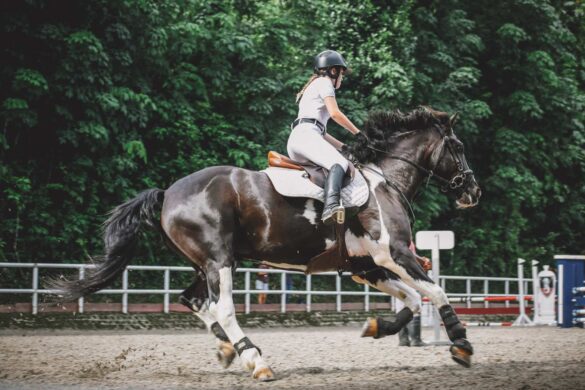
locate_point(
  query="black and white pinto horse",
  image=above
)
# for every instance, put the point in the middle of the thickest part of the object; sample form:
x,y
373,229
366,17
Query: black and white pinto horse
x,y
219,215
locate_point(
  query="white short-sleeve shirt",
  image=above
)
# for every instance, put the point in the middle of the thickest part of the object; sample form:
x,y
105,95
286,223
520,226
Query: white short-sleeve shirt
x,y
312,104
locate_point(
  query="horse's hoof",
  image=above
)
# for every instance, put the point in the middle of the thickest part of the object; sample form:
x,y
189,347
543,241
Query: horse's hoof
x,y
264,374
226,354
370,328
461,356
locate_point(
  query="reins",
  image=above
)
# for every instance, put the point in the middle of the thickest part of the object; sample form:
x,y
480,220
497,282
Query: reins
x,y
445,185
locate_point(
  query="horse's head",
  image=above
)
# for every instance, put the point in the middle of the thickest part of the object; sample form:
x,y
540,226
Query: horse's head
x,y
425,141
448,164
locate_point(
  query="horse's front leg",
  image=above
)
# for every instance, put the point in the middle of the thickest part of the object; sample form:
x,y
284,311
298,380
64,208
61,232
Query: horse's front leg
x,y
390,284
195,297
219,281
403,263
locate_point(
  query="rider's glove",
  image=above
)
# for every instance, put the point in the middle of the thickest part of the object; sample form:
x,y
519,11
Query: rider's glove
x,y
361,137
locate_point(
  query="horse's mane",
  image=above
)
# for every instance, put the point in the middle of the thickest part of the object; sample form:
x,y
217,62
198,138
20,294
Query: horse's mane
x,y
382,127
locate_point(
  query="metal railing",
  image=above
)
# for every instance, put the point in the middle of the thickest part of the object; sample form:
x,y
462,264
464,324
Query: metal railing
x,y
468,296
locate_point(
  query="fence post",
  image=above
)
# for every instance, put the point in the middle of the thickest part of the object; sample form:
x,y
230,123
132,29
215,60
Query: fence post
x,y
367,297
167,286
308,296
125,294
247,296
486,290
81,301
468,291
283,294
338,290
507,291
35,286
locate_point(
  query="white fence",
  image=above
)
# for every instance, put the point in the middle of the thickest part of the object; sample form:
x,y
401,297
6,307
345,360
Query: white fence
x,y
468,296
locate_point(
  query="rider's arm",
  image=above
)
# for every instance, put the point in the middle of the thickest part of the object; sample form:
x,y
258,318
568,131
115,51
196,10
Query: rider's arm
x,y
337,144
339,116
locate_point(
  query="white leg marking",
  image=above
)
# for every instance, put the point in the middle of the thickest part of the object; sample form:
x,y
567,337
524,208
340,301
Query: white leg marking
x,y
310,213
225,313
380,252
402,291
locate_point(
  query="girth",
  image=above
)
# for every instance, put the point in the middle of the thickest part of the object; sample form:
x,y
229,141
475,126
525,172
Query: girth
x,y
335,257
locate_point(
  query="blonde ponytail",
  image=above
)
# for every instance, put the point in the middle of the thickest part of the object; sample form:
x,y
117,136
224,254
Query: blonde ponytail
x,y
302,91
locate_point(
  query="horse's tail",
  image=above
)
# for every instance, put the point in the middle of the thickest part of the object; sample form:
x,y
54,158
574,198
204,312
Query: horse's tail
x,y
121,233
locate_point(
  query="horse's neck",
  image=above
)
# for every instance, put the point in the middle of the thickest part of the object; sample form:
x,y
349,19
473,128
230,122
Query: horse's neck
x,y
406,176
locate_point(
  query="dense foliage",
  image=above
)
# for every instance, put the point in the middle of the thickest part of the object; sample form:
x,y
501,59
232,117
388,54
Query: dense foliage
x,y
102,99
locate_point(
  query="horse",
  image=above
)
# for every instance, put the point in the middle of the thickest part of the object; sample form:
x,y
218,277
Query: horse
x,y
219,215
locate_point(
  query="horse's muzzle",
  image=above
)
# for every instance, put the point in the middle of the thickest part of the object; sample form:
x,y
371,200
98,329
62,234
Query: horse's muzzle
x,y
470,197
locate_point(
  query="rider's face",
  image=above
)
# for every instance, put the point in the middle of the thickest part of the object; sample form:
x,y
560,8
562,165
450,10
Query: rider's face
x,y
339,79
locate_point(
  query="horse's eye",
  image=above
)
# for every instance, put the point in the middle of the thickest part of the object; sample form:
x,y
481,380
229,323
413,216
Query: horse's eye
x,y
459,148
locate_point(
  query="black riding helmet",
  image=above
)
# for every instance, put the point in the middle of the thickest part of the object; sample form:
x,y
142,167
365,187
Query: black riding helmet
x,y
329,59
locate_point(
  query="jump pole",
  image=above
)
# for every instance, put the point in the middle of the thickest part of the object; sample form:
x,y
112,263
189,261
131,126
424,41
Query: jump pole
x,y
522,319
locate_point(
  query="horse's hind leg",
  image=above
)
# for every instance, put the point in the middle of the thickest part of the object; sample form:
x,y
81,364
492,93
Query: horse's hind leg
x,y
219,280
196,298
378,327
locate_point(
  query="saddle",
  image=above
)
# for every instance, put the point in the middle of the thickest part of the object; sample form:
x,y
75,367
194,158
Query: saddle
x,y
317,174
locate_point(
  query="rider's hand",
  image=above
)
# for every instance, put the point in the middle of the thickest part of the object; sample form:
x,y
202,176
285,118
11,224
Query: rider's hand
x,y
360,136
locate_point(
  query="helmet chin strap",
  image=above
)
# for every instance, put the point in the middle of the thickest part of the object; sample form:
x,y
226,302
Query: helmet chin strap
x,y
336,78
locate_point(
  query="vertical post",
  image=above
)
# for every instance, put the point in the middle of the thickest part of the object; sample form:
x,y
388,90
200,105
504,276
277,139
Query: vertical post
x,y
283,294
308,296
125,293
507,291
338,292
247,295
367,297
167,286
468,292
522,318
436,274
535,290
81,301
561,289
35,287
486,291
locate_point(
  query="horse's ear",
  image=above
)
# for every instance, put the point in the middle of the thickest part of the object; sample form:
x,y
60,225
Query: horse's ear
x,y
453,120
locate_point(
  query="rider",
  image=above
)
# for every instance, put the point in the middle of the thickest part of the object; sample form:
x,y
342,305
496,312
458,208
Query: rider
x,y
309,140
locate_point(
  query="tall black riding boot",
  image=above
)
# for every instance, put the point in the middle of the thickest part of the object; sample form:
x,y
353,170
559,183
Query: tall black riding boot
x,y
414,332
403,340
333,212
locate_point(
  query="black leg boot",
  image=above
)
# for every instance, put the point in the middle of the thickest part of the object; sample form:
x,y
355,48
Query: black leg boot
x,y
333,212
461,350
414,332
403,340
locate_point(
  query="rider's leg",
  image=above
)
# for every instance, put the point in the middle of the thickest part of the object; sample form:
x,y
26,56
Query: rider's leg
x,y
307,144
333,211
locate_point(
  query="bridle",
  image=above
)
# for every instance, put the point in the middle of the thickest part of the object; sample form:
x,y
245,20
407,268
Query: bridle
x,y
454,186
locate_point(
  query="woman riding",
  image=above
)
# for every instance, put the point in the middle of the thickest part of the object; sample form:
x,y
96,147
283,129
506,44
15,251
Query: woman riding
x,y
309,140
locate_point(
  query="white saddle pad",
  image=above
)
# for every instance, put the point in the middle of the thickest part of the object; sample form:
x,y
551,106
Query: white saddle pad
x,y
294,183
